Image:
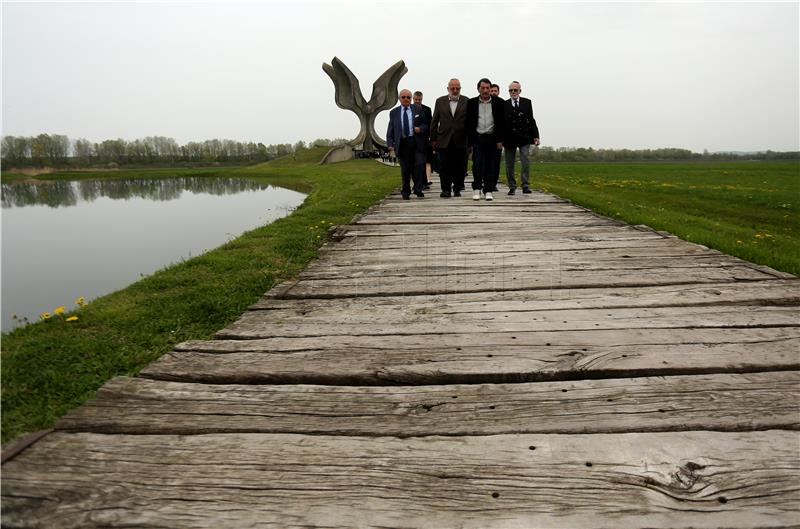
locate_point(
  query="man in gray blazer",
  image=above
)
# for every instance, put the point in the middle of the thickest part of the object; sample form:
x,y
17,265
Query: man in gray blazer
x,y
449,138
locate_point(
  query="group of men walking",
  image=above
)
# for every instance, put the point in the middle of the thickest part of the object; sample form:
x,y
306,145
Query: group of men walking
x,y
484,126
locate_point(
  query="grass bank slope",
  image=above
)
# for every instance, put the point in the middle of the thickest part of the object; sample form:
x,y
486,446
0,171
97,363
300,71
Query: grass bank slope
x,y
747,209
50,367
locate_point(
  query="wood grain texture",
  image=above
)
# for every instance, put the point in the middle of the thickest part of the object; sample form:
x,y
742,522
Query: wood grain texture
x,y
776,293
476,358
726,402
657,480
257,324
489,280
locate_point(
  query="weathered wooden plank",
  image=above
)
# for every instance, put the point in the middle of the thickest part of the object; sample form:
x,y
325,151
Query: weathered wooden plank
x,y
480,358
721,402
532,253
478,264
606,228
390,321
429,245
775,292
656,480
579,220
552,277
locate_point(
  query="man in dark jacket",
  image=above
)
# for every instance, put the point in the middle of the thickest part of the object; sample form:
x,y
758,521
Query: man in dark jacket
x,y
520,132
406,136
427,168
485,133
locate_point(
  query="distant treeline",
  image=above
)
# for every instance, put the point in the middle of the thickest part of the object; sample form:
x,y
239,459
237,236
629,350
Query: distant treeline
x,y
56,150
581,154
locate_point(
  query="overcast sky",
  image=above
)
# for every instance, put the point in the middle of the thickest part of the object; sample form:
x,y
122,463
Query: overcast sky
x,y
717,76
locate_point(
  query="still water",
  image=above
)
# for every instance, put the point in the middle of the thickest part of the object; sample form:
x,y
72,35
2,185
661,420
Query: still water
x,y
63,240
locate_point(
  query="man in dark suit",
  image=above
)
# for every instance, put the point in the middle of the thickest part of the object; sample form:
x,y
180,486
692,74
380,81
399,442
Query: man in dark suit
x,y
428,149
485,117
449,138
520,132
495,91
406,136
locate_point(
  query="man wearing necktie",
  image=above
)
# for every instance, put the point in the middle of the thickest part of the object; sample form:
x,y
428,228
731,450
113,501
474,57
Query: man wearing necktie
x,y
520,132
407,137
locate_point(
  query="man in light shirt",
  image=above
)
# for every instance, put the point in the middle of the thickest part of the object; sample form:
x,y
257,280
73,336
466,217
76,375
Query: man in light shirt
x,y
521,131
449,138
485,119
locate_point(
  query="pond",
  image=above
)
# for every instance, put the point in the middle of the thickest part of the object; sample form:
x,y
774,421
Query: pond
x,y
65,239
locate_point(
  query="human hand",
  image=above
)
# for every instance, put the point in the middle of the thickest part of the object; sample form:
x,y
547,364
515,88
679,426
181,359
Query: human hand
x,y
417,130
499,145
536,141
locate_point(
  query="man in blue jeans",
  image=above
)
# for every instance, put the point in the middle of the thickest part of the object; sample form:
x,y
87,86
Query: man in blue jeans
x,y
520,132
485,133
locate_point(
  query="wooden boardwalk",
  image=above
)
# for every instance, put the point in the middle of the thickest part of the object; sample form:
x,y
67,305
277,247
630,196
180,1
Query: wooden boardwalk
x,y
521,363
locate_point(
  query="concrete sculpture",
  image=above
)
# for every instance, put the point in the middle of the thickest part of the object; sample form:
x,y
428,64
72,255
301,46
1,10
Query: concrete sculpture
x,y
348,96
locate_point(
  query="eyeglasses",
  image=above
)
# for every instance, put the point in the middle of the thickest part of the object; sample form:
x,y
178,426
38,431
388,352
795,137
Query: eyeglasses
x,y
405,97
513,89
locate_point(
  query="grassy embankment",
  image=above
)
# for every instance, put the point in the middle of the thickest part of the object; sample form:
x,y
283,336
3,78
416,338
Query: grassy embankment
x,y
50,367
746,209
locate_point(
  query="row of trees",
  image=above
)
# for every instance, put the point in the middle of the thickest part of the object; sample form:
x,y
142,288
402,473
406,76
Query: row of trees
x,y
581,154
57,150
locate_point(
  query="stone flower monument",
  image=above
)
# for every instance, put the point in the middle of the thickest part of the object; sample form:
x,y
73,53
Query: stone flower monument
x,y
348,96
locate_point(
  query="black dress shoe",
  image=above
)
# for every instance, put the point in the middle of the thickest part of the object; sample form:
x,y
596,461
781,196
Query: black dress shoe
x,y
420,194
444,194
512,191
527,190
456,193
406,197
426,187
495,190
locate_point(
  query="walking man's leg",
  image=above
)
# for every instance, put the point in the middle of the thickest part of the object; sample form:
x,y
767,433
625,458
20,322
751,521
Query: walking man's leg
x,y
510,160
524,159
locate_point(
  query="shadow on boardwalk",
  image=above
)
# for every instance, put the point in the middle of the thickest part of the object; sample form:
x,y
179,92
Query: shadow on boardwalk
x,y
450,363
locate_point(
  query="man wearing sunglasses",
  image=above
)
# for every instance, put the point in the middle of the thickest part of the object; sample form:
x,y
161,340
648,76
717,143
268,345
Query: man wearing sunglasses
x,y
449,138
520,132
406,136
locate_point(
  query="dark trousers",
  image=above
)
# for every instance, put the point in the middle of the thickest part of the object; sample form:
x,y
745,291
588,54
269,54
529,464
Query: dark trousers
x,y
484,158
409,166
452,166
497,159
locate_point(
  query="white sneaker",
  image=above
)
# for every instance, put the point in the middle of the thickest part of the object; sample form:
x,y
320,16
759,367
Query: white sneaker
x,y
476,195
489,196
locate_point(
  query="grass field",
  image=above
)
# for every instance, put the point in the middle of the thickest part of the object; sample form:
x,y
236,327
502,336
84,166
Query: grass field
x,y
746,209
50,367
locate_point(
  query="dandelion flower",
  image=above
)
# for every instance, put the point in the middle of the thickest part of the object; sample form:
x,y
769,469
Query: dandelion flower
x,y
59,310
81,301
72,318
44,315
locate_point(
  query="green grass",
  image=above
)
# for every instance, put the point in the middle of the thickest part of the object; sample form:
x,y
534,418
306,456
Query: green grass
x,y
746,209
53,366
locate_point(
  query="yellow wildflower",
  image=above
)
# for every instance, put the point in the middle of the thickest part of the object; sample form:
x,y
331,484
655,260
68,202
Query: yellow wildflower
x,y
81,301
72,318
44,315
59,310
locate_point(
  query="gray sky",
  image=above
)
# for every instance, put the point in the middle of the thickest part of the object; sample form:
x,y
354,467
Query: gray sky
x,y
717,76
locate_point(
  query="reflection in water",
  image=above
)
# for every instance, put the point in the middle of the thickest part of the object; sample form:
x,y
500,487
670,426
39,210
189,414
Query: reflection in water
x,y
63,240
65,193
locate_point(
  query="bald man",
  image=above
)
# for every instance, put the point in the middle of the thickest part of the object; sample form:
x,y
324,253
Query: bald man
x,y
407,137
449,138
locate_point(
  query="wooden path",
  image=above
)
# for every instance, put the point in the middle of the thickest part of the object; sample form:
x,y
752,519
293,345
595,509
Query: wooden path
x,y
521,363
